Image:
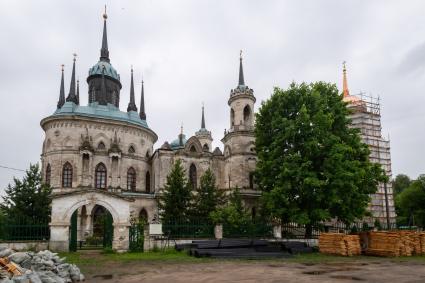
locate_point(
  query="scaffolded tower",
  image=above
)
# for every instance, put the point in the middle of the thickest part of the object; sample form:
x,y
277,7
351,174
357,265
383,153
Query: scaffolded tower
x,y
366,116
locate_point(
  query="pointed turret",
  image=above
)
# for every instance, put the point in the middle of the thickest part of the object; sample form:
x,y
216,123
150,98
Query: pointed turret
x,y
78,92
241,78
61,100
104,52
132,104
344,81
203,118
203,135
72,97
181,136
142,103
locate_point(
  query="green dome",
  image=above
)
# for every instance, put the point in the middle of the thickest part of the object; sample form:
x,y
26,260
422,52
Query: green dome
x,y
109,70
175,144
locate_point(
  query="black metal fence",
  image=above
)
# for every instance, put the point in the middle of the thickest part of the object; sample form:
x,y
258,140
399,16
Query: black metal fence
x,y
251,229
191,228
24,230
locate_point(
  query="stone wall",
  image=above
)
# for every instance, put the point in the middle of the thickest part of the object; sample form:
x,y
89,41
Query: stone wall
x,y
26,245
63,141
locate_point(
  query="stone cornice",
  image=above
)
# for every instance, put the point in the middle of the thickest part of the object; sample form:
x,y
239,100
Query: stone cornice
x,y
103,121
80,191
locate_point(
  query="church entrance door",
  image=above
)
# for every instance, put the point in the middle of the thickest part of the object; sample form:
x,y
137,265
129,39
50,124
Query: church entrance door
x,y
98,236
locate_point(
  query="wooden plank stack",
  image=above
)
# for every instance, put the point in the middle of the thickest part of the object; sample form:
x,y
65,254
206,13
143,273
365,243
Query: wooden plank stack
x,y
339,244
422,240
384,244
395,243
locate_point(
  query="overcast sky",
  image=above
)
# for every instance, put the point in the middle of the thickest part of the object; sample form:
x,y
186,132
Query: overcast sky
x,y
188,52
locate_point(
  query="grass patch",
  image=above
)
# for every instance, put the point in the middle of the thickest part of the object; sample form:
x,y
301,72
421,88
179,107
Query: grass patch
x,y
169,255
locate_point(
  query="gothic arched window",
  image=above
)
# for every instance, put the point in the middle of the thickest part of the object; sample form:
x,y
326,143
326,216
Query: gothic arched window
x,y
101,146
232,117
131,149
148,182
247,115
205,148
192,148
131,179
67,175
251,180
100,176
48,174
143,216
192,175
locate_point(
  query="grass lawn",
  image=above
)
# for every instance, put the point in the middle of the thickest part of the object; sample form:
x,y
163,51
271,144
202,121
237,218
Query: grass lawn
x,y
172,256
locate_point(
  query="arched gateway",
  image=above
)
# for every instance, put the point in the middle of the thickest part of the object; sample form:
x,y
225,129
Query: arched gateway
x,y
82,208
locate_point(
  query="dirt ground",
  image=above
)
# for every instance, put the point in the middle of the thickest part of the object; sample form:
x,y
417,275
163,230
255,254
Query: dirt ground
x,y
367,270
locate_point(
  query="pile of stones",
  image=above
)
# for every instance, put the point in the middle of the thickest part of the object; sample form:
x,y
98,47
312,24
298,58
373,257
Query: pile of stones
x,y
41,267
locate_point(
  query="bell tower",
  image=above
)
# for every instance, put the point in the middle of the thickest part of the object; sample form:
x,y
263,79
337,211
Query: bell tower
x,y
239,140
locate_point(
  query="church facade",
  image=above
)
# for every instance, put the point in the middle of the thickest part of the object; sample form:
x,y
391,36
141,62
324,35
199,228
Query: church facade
x,y
100,159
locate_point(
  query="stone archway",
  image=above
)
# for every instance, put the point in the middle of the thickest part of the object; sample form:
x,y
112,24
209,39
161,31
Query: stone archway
x,y
65,204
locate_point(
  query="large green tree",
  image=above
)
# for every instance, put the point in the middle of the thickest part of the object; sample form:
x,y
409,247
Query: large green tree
x,y
207,197
27,200
311,165
400,183
174,201
410,204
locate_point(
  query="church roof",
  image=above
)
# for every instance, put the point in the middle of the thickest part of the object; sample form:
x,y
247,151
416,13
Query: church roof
x,y
175,144
101,111
109,70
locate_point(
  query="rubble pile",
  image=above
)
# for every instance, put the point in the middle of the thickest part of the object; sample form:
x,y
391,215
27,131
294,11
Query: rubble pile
x,y
32,267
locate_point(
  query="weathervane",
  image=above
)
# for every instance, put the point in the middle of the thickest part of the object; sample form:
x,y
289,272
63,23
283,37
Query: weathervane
x,y
240,54
62,65
75,56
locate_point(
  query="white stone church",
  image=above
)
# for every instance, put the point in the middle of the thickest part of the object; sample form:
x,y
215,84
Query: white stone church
x,y
101,160
98,158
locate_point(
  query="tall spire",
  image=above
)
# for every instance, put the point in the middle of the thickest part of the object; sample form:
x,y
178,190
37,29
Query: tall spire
x,y
132,104
181,135
142,102
78,91
104,52
71,95
62,91
241,78
203,118
344,81
102,99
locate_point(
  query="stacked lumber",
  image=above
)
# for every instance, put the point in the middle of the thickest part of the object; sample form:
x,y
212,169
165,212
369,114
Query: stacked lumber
x,y
353,244
422,240
384,244
339,244
397,243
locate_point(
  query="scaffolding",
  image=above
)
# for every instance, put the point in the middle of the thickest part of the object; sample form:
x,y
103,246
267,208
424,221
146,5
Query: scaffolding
x,y
365,115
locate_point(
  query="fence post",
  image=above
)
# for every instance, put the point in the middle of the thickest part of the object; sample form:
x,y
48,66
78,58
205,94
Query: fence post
x,y
218,231
277,231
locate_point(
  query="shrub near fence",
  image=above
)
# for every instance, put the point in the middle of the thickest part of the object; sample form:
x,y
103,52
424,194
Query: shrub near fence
x,y
188,228
248,230
23,230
